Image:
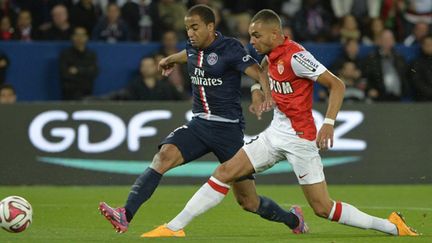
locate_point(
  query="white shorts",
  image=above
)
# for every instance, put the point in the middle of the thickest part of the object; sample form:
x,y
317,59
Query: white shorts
x,y
272,146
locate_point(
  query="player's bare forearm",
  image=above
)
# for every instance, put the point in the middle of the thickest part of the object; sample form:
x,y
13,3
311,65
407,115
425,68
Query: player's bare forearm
x,y
336,89
179,57
257,73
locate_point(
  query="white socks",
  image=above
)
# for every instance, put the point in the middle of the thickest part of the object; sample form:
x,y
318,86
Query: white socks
x,y
208,196
214,191
347,214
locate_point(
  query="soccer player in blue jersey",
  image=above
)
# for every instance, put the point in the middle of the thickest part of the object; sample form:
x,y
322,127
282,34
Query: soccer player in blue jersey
x,y
215,64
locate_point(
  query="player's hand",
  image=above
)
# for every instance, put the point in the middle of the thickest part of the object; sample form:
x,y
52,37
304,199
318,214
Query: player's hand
x,y
268,104
257,101
325,137
166,66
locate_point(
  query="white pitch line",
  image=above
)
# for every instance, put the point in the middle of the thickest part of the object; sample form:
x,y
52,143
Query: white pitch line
x,y
377,207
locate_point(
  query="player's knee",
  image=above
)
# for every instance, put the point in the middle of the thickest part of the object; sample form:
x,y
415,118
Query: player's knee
x,y
165,159
223,174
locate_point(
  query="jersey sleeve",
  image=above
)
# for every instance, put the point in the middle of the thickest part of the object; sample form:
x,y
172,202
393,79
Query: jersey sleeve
x,y
239,58
305,65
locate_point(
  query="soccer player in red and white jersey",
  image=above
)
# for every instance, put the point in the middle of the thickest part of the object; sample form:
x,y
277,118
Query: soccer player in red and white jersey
x,y
292,135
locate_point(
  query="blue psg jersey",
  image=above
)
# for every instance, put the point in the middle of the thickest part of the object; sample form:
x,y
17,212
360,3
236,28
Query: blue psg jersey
x,y
215,73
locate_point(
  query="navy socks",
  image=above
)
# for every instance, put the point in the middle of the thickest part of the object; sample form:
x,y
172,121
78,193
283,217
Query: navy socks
x,y
141,191
269,210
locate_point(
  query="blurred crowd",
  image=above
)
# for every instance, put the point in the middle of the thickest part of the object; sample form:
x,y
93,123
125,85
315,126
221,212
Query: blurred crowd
x,y
383,75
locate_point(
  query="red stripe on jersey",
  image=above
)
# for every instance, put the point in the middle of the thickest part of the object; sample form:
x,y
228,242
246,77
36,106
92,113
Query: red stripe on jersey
x,y
218,187
203,99
200,56
338,212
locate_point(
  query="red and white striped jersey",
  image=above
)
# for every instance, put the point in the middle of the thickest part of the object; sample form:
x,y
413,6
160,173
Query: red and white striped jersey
x,y
292,71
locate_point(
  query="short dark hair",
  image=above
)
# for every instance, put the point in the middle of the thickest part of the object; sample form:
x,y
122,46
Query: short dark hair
x,y
267,16
7,86
205,12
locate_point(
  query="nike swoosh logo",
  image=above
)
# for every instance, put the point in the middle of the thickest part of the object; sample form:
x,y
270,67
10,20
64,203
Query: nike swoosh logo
x,y
301,177
189,55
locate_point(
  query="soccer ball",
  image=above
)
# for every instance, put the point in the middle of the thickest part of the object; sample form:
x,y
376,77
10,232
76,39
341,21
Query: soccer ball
x,y
15,214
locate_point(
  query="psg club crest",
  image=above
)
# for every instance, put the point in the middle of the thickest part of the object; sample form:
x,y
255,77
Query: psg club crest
x,y
212,58
280,67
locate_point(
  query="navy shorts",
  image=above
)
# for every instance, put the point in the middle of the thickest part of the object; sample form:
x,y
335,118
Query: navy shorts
x,y
199,137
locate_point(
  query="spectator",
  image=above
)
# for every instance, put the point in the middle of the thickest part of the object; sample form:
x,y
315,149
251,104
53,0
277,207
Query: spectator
x,y
416,11
420,31
4,64
349,29
6,29
140,16
169,43
111,28
291,7
24,27
342,8
147,86
41,10
149,18
385,71
7,94
130,12
350,54
241,30
171,14
178,76
8,8
84,14
220,22
373,7
241,27
421,72
102,5
355,86
391,14
374,32
59,29
78,67
313,22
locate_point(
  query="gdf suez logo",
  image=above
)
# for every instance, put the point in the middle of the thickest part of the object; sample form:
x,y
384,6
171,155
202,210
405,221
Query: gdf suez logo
x,y
136,128
119,131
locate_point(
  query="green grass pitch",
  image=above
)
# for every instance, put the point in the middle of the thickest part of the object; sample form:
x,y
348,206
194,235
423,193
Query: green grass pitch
x,y
69,214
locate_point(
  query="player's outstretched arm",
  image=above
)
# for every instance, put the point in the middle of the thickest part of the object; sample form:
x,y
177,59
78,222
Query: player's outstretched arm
x,y
337,90
257,73
167,64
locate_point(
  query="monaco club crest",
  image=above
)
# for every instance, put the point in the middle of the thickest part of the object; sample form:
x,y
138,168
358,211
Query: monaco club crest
x,y
212,58
280,67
